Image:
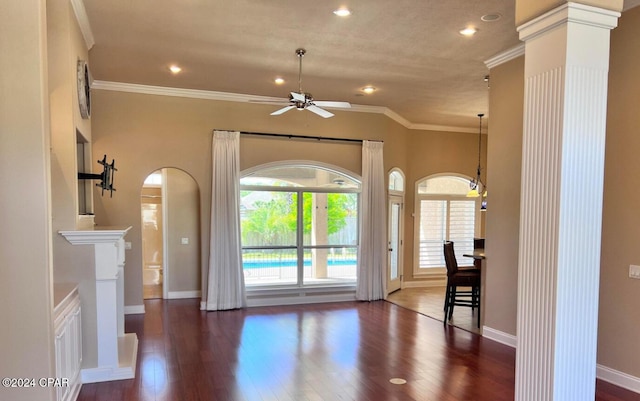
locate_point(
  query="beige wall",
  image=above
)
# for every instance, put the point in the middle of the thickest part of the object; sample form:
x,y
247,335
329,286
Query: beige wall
x,y
70,263
503,201
183,221
432,153
147,132
26,336
619,316
619,295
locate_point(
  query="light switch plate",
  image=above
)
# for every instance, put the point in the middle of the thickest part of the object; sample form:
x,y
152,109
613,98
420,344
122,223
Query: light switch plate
x,y
127,245
184,241
634,271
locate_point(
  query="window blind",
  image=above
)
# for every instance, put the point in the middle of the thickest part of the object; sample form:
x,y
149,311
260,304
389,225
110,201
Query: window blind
x,y
442,220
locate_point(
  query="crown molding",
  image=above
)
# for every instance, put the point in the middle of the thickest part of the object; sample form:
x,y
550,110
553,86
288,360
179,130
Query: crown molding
x,y
241,98
83,21
443,128
568,13
505,56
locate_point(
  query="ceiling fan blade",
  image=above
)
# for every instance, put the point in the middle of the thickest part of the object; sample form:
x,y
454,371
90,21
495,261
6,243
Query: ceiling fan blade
x,y
297,97
274,101
321,112
282,110
327,103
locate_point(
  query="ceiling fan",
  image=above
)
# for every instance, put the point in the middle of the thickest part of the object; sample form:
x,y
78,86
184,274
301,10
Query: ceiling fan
x,y
304,101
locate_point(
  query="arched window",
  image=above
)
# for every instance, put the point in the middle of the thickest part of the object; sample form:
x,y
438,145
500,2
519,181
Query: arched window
x,y
444,213
299,224
396,181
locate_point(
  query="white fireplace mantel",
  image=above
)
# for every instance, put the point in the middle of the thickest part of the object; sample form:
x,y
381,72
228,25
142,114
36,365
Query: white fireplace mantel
x,y
117,351
96,235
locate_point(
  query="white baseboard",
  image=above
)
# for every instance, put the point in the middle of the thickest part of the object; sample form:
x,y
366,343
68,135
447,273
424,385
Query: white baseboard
x,y
203,305
183,294
311,299
499,336
133,309
618,378
127,358
612,376
424,283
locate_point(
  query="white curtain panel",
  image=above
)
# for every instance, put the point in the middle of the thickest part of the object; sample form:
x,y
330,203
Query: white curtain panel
x,y
226,278
372,254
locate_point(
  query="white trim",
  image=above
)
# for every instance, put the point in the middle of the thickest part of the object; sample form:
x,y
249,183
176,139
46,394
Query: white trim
x,y
609,375
618,378
568,12
297,300
441,128
438,282
96,235
242,98
134,309
203,305
83,22
183,294
164,206
505,56
499,336
127,357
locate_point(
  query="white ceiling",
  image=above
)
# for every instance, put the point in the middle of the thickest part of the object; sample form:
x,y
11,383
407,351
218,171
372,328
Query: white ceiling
x,y
411,50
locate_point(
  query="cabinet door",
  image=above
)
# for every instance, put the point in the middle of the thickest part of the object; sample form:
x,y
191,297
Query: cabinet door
x,y
62,356
76,346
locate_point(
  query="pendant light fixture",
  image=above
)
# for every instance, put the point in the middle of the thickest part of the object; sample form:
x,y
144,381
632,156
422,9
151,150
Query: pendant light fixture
x,y
477,187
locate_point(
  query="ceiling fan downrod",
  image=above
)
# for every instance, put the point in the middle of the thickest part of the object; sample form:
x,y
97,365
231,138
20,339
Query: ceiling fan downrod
x,y
300,53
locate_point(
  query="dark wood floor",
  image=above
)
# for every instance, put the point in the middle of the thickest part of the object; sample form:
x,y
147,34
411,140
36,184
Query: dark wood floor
x,y
339,351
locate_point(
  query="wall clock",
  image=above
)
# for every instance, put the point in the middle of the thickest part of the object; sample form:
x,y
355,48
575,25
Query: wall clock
x,y
84,89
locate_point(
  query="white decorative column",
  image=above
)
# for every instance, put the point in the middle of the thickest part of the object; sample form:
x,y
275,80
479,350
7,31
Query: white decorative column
x,y
566,67
117,351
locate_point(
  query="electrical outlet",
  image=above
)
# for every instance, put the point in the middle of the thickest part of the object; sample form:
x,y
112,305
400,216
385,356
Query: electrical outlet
x,y
184,241
127,245
634,271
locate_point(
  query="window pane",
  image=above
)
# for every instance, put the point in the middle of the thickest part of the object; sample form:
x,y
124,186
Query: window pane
x,y
445,185
462,228
330,265
330,218
270,266
433,232
300,176
396,182
268,218
444,220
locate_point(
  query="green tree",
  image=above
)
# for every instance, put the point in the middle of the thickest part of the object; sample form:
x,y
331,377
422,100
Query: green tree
x,y
274,221
339,207
270,221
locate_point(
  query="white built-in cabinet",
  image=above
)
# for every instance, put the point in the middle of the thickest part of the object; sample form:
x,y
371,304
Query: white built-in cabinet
x,y
68,341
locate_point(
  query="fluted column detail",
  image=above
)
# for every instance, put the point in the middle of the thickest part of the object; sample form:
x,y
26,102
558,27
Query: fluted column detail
x,y
566,66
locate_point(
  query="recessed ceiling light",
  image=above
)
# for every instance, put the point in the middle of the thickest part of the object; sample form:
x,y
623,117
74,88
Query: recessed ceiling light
x,y
278,81
469,31
175,69
342,12
368,89
491,17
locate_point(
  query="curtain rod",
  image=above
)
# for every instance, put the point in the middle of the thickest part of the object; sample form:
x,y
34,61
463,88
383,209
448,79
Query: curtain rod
x,y
291,136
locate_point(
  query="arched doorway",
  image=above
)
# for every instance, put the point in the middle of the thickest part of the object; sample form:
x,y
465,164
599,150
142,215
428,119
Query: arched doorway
x,y
170,212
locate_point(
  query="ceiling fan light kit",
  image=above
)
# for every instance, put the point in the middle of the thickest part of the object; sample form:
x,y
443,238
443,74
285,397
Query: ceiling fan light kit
x,y
304,101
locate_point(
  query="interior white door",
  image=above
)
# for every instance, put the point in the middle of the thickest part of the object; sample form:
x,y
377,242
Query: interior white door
x,y
395,244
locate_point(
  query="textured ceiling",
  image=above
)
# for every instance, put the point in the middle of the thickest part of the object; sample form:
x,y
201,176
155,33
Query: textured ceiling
x,y
411,50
